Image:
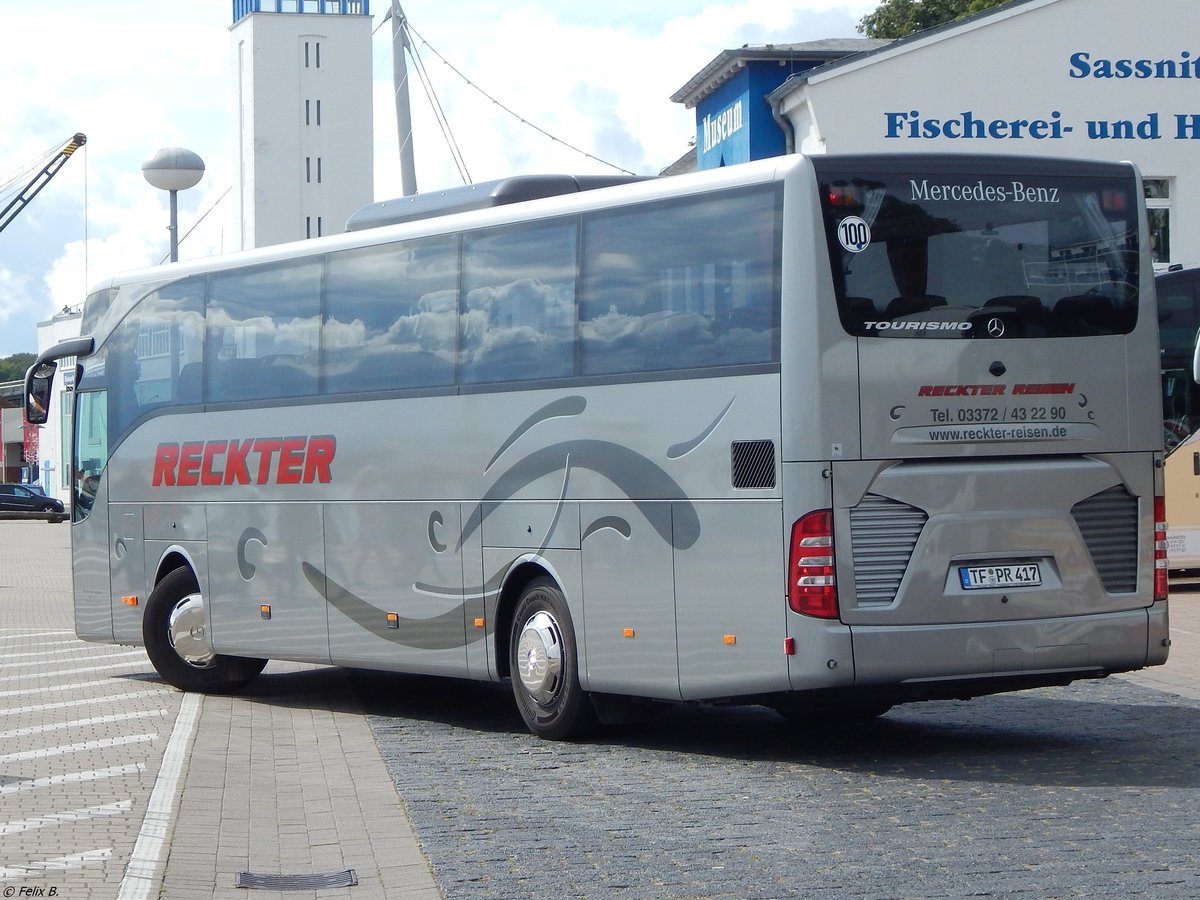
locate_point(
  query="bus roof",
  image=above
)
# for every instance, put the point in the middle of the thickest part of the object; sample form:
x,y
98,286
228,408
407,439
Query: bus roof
x,y
483,195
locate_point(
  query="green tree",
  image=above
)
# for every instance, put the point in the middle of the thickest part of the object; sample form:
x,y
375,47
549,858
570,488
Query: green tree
x,y
12,368
900,18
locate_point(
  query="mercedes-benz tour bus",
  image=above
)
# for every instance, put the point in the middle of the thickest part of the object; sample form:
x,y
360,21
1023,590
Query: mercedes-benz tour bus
x,y
822,433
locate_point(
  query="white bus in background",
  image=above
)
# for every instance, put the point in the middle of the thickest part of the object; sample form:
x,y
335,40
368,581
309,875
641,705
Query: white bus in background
x,y
826,434
1178,297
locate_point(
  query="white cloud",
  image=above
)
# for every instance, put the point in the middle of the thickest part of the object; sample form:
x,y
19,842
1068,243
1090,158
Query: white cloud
x,y
15,295
143,74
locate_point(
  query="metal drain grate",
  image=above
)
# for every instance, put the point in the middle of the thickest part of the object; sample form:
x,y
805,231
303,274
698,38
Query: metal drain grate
x,y
257,881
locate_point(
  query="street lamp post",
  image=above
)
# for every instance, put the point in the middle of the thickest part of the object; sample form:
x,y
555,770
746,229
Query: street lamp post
x,y
173,169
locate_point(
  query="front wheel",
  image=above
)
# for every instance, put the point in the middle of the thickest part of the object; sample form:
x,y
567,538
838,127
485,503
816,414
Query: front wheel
x,y
175,631
545,665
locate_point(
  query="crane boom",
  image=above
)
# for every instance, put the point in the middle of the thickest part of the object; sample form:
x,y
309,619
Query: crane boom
x,y
40,180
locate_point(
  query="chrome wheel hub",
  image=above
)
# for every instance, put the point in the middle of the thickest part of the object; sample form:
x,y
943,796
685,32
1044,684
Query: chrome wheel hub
x,y
540,658
188,632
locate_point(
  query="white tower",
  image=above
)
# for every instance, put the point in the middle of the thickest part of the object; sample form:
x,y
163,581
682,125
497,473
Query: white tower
x,y
305,136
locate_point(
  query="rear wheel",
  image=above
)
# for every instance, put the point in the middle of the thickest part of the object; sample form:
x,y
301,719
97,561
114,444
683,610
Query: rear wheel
x,y
175,631
545,665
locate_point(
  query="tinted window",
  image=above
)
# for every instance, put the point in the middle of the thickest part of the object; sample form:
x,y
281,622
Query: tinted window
x,y
518,317
263,332
94,308
391,317
1177,319
684,284
155,356
956,254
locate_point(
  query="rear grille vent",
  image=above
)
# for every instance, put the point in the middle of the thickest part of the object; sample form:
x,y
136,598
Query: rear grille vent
x,y
883,535
1108,522
753,464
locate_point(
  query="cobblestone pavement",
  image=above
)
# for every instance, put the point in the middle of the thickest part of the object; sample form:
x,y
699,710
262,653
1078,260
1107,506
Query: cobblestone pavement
x,y
114,785
83,729
1091,790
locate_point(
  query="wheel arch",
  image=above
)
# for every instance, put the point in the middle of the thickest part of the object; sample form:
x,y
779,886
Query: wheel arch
x,y
518,577
175,558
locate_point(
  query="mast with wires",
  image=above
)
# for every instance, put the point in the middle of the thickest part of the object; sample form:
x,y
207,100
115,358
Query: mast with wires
x,y
400,44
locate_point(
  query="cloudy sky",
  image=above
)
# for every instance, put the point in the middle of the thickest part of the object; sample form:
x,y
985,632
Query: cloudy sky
x,y
137,75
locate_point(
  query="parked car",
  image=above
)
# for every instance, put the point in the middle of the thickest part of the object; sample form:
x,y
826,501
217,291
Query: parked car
x,y
29,498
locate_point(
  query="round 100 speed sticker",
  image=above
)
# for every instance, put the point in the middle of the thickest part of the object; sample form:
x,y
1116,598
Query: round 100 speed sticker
x,y
854,234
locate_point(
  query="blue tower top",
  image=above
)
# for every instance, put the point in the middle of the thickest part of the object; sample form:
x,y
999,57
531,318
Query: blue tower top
x,y
243,8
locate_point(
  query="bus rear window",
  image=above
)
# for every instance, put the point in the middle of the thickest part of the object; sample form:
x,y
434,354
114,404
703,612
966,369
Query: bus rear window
x,y
999,255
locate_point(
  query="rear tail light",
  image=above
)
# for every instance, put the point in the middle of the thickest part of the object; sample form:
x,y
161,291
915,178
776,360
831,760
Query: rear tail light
x,y
1161,572
812,584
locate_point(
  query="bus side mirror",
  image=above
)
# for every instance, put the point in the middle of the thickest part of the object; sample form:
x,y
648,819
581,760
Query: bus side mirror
x,y
38,381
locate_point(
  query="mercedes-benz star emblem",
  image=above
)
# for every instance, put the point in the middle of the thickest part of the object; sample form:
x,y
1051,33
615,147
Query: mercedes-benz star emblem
x,y
995,328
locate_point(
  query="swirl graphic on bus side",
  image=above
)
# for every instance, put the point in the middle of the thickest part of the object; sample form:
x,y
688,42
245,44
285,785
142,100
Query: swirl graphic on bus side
x,y
632,473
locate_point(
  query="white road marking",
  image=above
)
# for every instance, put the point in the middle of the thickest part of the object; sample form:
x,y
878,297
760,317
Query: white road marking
x,y
139,880
62,657
16,634
71,815
83,723
18,787
63,643
98,744
62,672
81,701
59,688
57,864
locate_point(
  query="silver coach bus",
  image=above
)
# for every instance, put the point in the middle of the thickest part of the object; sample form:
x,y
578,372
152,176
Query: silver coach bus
x,y
826,434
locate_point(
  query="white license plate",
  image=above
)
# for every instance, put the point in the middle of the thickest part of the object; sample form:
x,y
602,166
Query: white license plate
x,y
1010,576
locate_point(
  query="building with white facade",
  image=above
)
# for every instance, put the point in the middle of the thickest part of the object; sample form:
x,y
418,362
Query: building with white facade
x,y
305,160
1096,79
52,441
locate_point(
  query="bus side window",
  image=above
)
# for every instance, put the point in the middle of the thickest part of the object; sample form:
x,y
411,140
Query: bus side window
x,y
519,303
257,315
671,286
391,317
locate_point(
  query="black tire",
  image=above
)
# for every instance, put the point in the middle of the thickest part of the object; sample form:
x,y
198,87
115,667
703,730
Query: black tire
x,y
544,664
192,669
54,514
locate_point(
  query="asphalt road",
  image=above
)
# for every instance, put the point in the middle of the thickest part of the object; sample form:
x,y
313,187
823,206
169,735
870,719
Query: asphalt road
x,y
1086,791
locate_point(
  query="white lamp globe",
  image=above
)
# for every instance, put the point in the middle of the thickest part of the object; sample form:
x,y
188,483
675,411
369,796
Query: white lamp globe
x,y
173,169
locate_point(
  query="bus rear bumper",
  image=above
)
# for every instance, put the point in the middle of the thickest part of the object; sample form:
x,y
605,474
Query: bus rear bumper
x,y
1073,647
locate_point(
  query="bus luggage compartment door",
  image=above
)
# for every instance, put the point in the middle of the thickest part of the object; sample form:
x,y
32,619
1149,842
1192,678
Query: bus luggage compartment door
x,y
127,570
972,541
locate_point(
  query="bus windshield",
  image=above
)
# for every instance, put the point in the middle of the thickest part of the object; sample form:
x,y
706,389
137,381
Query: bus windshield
x,y
1043,253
